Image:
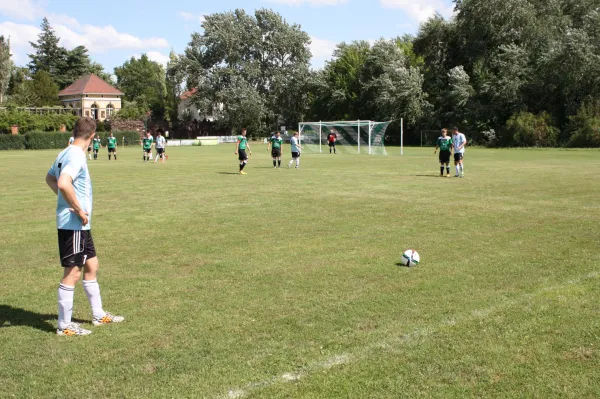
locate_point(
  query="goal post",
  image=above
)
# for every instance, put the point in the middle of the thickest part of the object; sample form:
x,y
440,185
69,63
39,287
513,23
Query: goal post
x,y
354,137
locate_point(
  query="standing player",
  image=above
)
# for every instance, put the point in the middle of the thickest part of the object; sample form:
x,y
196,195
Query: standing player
x,y
275,143
69,178
458,145
160,146
147,146
444,144
90,151
296,150
112,145
240,150
97,145
331,140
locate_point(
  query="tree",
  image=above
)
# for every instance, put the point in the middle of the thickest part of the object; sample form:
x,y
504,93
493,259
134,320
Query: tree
x,y
49,56
262,57
45,89
143,81
5,66
174,85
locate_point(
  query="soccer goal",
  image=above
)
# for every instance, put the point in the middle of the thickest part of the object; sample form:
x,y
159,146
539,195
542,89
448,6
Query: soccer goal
x,y
354,137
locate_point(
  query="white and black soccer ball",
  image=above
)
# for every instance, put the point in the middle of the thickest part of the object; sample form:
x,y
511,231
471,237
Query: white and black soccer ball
x,y
410,258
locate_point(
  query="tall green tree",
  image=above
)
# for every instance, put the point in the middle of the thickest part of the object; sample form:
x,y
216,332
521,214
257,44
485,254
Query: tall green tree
x,y
48,56
5,66
143,81
174,86
45,89
260,56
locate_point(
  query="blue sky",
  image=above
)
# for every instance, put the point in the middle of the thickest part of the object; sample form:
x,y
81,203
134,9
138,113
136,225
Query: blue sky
x,y
114,32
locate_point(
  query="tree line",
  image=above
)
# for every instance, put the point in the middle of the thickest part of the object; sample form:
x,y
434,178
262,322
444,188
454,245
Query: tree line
x,y
507,72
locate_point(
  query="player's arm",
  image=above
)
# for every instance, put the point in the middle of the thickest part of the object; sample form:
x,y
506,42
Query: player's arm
x,y
463,144
269,146
237,145
52,182
437,146
249,149
65,185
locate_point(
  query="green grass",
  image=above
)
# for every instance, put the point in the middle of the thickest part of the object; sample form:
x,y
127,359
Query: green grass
x,y
283,283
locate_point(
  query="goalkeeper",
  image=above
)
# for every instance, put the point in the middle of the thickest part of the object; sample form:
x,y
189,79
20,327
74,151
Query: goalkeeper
x,y
331,140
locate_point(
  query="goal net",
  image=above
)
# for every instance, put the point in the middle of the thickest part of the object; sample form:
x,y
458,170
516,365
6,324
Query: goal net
x,y
353,137
429,137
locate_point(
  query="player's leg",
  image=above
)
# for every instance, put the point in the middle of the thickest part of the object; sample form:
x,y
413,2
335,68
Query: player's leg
x,y
462,170
334,149
274,160
115,154
292,161
298,161
456,164
279,160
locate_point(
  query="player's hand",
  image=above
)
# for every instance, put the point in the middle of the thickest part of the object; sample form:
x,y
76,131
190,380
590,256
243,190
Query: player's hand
x,y
236,153
83,215
250,153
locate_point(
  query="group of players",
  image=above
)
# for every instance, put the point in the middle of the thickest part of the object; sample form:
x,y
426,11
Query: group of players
x,y
274,145
147,141
447,145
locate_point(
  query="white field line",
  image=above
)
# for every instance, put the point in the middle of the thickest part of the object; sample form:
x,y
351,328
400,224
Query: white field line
x,y
392,343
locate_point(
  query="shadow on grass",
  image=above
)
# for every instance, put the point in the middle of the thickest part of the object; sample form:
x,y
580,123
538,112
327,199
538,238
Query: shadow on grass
x,y
438,176
402,265
228,173
11,317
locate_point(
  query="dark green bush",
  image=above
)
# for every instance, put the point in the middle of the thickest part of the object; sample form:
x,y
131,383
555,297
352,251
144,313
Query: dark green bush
x,y
45,140
584,127
12,142
531,130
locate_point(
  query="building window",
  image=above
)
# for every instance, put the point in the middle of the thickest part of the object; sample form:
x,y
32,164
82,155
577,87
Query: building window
x,y
94,109
110,109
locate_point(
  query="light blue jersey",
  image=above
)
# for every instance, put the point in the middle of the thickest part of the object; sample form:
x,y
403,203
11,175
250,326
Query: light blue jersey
x,y
160,142
294,143
458,140
72,161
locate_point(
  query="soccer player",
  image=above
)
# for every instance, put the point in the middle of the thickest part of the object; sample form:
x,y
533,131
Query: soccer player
x,y
331,140
160,146
147,146
458,146
70,180
444,144
240,150
112,146
97,145
296,150
90,151
275,143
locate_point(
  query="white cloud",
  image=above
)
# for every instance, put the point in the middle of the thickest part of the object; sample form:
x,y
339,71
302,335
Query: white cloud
x,y
158,57
28,10
420,10
20,36
314,3
188,16
321,48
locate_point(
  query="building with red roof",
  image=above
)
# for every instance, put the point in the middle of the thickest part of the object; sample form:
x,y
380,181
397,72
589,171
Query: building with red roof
x,y
91,96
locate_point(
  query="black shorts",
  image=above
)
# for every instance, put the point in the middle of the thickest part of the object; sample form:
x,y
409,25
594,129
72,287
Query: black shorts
x,y
96,150
148,150
458,156
276,152
75,247
160,151
445,156
295,155
332,143
89,149
112,150
242,155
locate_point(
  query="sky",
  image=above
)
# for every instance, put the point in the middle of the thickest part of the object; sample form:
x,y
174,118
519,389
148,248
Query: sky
x,y
114,32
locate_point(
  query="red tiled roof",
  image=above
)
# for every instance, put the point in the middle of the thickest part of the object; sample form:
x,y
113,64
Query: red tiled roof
x,y
188,94
89,84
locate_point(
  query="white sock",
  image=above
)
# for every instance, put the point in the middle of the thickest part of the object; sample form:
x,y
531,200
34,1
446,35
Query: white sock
x,y
65,305
92,290
458,169
462,169
291,162
297,162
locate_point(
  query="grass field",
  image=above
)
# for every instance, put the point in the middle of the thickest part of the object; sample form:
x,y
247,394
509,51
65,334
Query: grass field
x,y
285,284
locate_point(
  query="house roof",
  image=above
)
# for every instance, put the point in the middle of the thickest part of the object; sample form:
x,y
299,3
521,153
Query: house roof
x,y
188,94
89,84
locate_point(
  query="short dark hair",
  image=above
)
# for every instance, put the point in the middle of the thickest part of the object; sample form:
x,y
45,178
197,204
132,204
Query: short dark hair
x,y
244,129
84,128
455,128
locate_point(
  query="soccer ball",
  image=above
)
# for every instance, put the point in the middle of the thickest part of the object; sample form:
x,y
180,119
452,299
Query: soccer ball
x,y
410,258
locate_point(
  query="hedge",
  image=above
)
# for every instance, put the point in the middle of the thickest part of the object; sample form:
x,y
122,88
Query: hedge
x,y
31,122
12,142
56,140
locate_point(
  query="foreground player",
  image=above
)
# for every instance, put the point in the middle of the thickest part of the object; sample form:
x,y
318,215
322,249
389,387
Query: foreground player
x,y
97,145
160,147
240,150
147,146
444,144
275,143
69,178
458,145
331,140
296,150
112,146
